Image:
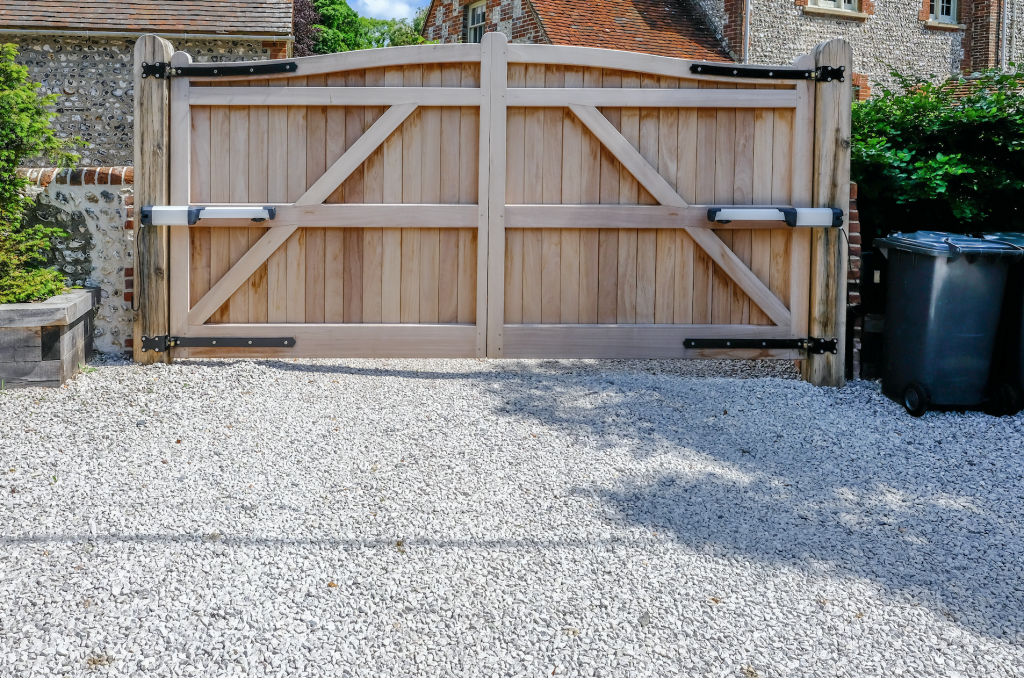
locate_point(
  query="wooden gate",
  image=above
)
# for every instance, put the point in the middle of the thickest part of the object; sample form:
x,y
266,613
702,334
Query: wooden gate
x,y
500,200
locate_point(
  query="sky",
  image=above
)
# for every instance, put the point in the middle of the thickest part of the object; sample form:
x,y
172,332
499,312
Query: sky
x,y
387,9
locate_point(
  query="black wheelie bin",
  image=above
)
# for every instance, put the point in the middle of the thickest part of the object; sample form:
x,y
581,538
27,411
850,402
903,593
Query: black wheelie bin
x,y
1008,364
943,298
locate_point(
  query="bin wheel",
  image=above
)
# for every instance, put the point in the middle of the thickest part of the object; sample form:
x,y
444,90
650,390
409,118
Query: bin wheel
x,y
915,399
1005,401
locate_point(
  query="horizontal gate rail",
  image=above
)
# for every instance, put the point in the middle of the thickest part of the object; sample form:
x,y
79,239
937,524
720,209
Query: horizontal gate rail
x,y
334,96
653,98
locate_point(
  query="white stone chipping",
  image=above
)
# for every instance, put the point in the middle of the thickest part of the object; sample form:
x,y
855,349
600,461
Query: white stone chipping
x,y
488,518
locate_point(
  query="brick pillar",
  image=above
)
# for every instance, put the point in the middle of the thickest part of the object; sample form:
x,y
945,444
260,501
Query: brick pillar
x,y
732,31
981,39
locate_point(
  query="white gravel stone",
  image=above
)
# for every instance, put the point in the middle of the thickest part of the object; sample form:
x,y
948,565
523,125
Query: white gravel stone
x,y
482,518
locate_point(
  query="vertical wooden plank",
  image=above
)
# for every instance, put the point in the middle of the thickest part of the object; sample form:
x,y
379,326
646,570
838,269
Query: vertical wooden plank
x,y
353,271
238,179
334,275
199,238
296,244
684,292
647,239
334,238
590,193
467,275
743,190
725,186
492,200
533,193
430,177
412,166
516,141
337,141
572,168
373,192
316,165
626,301
761,239
448,276
469,142
782,187
646,271
686,167
220,191
448,248
429,263
551,240
721,287
410,288
668,143
706,171
665,277
277,192
607,274
629,193
740,306
608,239
258,193
391,238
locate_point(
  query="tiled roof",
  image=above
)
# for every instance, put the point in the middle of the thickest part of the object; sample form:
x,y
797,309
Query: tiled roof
x,y
673,28
145,16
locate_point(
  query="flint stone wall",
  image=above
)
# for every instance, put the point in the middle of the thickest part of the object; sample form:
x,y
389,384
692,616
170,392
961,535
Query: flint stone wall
x,y
98,250
93,78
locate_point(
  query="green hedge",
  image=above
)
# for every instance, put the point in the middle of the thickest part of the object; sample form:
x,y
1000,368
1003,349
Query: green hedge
x,y
941,156
25,132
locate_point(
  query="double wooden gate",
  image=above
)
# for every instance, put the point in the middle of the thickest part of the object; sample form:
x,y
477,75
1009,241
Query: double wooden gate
x,y
495,200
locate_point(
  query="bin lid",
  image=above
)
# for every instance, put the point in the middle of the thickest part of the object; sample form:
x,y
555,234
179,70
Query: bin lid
x,y
1012,238
940,244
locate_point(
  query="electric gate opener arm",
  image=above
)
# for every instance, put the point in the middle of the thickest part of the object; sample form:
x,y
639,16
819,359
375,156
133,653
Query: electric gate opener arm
x,y
830,217
188,215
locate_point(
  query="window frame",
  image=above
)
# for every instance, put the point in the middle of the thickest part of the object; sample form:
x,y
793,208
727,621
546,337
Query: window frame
x,y
935,9
838,5
476,30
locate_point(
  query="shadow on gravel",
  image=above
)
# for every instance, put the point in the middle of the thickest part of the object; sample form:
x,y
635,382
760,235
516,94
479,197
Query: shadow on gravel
x,y
778,480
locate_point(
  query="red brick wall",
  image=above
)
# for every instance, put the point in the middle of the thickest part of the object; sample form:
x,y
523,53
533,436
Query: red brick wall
x,y
515,18
981,39
861,88
732,31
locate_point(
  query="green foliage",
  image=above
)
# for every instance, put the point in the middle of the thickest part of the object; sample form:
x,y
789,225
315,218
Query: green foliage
x,y
341,29
25,133
941,156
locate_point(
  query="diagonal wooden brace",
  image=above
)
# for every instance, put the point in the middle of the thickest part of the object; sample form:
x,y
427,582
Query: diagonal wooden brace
x,y
666,195
316,194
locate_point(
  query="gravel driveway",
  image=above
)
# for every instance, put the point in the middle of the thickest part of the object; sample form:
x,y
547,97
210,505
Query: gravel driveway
x,y
479,518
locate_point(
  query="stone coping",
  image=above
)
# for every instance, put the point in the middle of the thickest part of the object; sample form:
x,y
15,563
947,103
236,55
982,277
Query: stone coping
x,y
63,309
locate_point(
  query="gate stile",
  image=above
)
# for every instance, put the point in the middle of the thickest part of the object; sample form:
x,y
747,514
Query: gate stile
x,y
495,200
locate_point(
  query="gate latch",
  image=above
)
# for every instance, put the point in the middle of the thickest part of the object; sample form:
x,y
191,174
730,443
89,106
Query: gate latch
x,y
810,344
163,342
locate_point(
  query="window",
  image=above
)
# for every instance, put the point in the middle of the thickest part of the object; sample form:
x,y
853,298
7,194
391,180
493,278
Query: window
x,y
476,16
848,5
943,11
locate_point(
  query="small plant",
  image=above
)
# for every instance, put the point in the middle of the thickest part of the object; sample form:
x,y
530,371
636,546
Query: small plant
x,y
941,155
25,132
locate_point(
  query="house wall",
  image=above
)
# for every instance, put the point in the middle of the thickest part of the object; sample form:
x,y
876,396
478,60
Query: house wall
x,y
515,18
887,32
93,78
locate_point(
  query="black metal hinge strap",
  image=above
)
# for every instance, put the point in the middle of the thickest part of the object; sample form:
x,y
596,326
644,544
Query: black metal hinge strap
x,y
821,73
810,344
162,69
164,342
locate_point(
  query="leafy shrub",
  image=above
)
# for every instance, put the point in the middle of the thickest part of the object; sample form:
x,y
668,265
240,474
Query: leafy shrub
x,y
24,133
941,156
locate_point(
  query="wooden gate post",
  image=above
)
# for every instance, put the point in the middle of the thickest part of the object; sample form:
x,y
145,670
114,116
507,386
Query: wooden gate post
x,y
152,187
831,188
